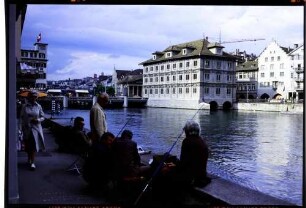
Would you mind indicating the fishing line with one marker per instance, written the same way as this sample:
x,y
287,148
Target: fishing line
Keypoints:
x,y
166,155
123,127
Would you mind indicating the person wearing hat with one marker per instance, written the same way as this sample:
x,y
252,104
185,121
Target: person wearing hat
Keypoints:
x,y
31,116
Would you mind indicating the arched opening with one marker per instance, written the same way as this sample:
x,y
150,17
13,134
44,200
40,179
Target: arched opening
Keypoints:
x,y
213,105
227,105
277,96
264,96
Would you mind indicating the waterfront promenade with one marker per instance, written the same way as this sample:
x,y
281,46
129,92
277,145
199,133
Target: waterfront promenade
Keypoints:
x,y
52,184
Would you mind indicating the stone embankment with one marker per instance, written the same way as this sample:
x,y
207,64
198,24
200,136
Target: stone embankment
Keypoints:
x,y
290,108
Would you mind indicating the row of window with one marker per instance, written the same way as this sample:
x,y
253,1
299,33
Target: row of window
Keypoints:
x,y
273,84
37,65
251,87
272,58
33,55
242,75
281,74
297,57
207,64
281,66
180,78
187,77
168,66
186,90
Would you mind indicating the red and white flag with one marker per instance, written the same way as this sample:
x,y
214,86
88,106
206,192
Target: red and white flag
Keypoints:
x,y
38,38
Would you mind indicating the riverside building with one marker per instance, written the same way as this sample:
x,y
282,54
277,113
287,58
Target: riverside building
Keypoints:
x,y
281,72
246,80
31,73
189,74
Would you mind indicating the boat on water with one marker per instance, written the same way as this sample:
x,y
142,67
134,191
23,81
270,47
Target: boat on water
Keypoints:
x,y
142,151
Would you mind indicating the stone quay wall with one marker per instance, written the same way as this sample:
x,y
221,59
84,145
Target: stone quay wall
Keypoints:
x,y
194,104
271,107
180,104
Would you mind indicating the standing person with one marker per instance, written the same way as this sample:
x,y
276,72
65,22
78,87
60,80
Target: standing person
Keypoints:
x,y
98,125
31,116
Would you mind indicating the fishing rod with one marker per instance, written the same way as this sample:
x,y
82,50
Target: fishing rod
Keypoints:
x,y
61,118
166,155
123,127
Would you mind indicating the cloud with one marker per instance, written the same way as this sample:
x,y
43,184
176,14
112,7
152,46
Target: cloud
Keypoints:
x,y
83,64
115,32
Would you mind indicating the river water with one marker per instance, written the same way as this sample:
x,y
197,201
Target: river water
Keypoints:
x,y
259,150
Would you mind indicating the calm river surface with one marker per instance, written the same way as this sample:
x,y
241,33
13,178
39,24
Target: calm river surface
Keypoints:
x,y
260,150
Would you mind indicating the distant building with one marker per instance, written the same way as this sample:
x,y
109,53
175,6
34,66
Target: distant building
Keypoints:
x,y
246,80
243,56
32,69
184,75
281,72
131,84
119,75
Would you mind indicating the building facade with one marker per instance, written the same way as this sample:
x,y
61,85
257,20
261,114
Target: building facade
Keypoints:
x,y
280,73
188,74
246,80
32,72
127,82
297,64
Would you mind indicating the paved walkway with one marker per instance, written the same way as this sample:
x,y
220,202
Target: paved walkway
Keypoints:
x,y
52,184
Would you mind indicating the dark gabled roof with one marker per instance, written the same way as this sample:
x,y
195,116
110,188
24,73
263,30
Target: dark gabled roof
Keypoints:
x,y
136,72
123,73
173,48
247,66
287,50
199,47
130,79
298,47
158,52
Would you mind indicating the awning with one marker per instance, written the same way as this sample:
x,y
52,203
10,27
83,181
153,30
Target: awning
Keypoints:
x,y
81,91
54,91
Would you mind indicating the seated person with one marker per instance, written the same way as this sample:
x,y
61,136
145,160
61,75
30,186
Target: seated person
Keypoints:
x,y
126,158
79,141
194,156
174,179
98,165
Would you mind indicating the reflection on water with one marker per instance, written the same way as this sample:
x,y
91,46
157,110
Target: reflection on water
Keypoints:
x,y
260,150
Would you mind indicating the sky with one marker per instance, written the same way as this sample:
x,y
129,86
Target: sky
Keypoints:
x,y
84,40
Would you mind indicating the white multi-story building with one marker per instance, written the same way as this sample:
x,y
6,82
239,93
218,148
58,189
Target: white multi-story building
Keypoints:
x,y
278,76
188,74
297,64
32,72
